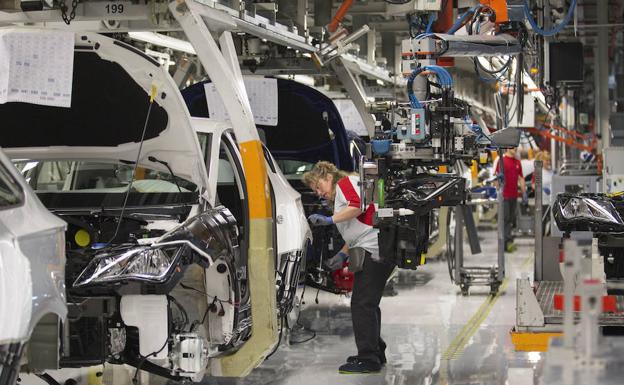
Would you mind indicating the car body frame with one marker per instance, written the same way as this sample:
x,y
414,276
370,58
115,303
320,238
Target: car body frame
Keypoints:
x,y
32,267
157,215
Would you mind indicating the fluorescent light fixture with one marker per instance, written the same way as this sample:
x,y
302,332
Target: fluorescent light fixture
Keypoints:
x,y
163,41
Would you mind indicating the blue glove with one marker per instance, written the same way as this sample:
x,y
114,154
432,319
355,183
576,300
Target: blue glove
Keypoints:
x,y
336,262
547,190
320,220
525,197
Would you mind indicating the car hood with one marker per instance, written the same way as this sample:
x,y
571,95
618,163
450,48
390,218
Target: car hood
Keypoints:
x,y
109,111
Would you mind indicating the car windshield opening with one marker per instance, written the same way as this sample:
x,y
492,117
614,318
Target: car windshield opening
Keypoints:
x,y
102,183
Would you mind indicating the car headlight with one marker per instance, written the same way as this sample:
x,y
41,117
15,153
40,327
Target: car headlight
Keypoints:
x,y
597,210
143,263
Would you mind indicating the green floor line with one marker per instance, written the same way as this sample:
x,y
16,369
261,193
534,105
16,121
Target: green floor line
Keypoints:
x,y
456,347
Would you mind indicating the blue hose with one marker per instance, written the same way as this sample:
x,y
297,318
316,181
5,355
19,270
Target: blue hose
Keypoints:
x,y
555,30
432,18
462,19
443,76
410,88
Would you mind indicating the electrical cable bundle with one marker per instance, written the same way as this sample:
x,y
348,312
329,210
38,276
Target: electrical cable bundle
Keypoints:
x,y
497,74
471,15
418,27
557,28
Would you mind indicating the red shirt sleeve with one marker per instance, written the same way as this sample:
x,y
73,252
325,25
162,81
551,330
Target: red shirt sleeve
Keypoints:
x,y
349,192
519,165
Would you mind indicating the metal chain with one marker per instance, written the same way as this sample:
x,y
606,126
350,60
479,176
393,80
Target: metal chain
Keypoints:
x,y
72,15
63,7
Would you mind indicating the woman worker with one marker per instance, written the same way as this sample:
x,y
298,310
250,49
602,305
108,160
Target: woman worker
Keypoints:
x,y
362,250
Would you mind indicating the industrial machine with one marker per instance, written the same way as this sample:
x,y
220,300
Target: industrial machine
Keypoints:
x,y
414,142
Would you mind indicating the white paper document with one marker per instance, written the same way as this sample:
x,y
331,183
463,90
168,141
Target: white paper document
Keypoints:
x,y
350,116
262,95
36,67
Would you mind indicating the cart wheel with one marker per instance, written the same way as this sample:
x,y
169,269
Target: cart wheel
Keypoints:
x,y
494,288
464,289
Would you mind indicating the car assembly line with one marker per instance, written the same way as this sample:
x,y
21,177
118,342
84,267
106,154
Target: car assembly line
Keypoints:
x,y
287,191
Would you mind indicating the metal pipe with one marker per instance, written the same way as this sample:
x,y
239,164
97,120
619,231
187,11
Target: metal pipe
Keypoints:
x,y
501,220
371,45
340,14
599,25
570,269
602,85
356,35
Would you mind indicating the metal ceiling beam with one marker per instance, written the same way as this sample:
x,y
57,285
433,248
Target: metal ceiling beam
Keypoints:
x,y
86,11
96,11
361,67
286,66
355,92
367,9
261,27
389,26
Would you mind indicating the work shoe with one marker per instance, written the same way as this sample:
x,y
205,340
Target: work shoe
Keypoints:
x,y
359,367
382,359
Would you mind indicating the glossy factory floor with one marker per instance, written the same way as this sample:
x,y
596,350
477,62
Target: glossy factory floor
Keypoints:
x,y
434,334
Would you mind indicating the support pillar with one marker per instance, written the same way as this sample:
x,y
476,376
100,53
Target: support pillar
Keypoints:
x,y
388,50
371,42
601,67
322,12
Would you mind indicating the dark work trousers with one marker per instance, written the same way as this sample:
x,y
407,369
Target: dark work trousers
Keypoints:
x,y
368,287
510,211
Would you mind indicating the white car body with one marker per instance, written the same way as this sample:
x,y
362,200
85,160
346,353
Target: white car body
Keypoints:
x,y
32,265
293,230
32,247
176,144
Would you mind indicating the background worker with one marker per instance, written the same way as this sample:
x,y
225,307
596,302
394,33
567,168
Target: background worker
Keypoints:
x,y
512,174
362,250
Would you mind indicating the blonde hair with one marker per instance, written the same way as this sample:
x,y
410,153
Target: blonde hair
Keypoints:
x,y
322,170
543,156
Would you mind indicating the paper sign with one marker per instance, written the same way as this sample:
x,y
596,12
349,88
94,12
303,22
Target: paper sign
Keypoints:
x,y
262,95
36,67
350,116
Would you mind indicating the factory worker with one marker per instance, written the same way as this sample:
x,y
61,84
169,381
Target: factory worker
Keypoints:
x,y
362,251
